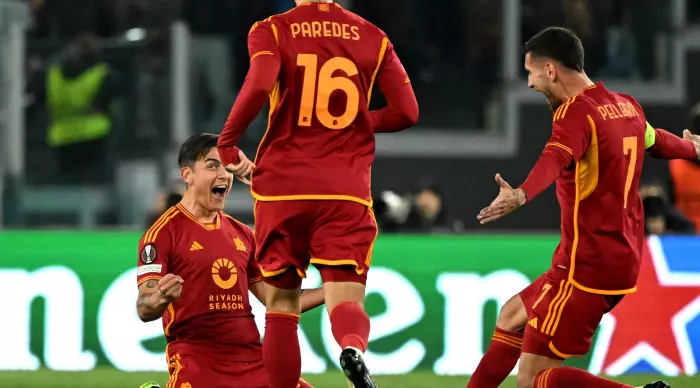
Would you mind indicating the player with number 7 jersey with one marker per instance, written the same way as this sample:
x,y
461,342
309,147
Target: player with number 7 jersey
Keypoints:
x,y
319,64
604,136
595,155
599,139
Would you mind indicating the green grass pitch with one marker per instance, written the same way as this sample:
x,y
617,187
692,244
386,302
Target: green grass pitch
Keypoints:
x,y
110,378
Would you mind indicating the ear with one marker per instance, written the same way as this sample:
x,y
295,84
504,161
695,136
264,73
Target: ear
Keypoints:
x,y
186,174
550,70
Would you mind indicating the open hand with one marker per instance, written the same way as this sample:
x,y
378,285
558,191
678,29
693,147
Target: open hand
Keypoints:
x,y
243,169
507,201
695,139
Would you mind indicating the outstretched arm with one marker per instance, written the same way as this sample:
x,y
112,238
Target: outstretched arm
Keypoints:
x,y
548,168
665,145
566,146
545,172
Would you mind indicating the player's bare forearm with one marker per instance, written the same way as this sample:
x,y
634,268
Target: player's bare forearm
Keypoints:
x,y
312,298
150,305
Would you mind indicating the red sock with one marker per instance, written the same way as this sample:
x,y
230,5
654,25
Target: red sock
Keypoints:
x,y
350,326
568,377
498,361
281,354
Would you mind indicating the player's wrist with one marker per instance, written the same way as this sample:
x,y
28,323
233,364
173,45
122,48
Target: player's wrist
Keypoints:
x,y
230,155
521,195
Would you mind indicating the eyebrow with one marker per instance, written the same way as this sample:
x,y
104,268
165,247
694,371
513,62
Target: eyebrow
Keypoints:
x,y
212,160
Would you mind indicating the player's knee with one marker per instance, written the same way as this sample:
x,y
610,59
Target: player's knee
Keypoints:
x,y
512,316
525,379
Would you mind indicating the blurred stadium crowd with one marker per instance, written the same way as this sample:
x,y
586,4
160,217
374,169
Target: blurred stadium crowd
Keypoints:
x,y
116,56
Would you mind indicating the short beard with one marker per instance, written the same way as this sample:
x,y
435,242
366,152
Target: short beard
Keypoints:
x,y
553,102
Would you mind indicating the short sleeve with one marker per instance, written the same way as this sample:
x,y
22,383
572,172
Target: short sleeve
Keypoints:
x,y
392,74
571,130
254,274
262,40
155,250
253,270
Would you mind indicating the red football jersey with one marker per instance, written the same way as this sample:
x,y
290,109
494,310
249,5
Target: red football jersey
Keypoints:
x,y
320,142
217,263
602,218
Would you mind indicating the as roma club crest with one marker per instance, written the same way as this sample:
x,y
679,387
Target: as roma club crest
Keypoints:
x,y
148,254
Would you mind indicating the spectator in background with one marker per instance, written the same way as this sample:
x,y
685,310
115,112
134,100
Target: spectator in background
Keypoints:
x,y
428,211
685,179
163,202
660,216
422,212
78,92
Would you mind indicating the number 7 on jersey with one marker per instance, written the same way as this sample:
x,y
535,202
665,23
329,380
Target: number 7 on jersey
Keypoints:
x,y
629,147
319,85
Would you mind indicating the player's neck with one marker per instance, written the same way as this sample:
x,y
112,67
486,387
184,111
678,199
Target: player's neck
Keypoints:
x,y
575,84
200,213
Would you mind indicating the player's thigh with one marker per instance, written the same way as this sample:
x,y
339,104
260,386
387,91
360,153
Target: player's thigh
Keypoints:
x,y
562,320
343,237
282,242
513,316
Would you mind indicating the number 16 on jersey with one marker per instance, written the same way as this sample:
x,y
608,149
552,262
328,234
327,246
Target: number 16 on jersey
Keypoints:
x,y
320,84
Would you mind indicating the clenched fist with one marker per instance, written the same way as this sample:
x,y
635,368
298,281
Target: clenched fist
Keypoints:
x,y
168,289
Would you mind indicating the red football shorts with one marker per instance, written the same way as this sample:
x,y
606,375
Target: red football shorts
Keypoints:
x,y
335,236
561,318
191,367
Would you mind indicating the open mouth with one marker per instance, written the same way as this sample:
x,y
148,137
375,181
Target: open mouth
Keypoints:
x,y
219,192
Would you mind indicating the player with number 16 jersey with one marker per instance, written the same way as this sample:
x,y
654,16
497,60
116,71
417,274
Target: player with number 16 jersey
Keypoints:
x,y
320,138
318,63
